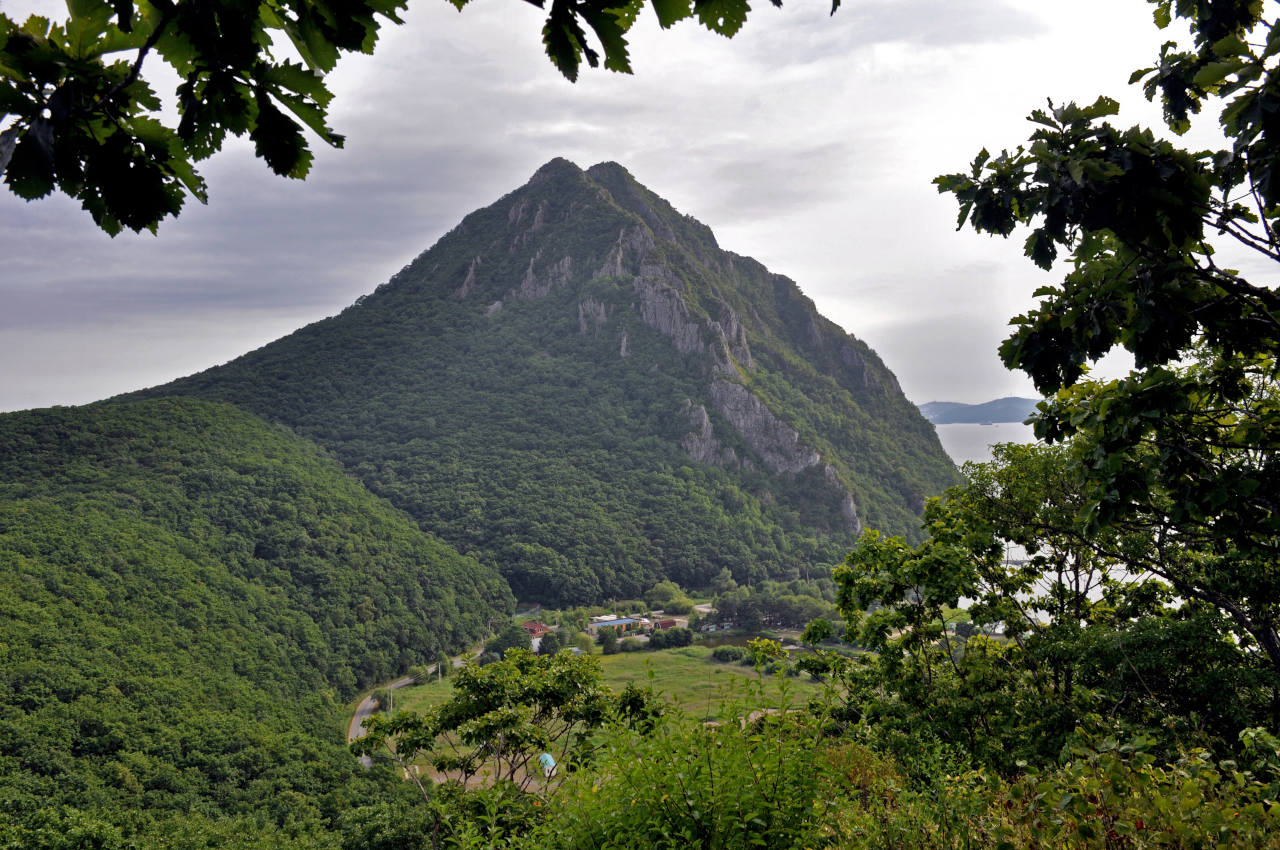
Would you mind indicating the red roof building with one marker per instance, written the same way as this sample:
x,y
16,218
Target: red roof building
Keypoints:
x,y
535,629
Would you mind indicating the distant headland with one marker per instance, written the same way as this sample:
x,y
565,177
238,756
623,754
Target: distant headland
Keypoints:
x,y
1010,409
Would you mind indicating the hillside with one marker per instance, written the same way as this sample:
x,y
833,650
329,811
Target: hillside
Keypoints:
x,y
1009,409
187,597
578,386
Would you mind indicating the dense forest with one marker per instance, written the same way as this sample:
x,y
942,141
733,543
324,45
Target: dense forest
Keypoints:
x,y
192,588
579,388
1077,646
189,597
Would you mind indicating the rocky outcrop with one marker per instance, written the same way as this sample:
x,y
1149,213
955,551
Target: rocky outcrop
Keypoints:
x,y
469,282
628,253
776,442
591,315
733,337
701,442
516,216
663,308
848,508
856,363
535,285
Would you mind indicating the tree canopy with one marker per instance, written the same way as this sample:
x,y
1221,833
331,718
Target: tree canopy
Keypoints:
x,y
1183,449
86,121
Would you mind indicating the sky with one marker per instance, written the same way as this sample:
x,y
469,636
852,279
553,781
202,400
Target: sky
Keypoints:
x,y
808,141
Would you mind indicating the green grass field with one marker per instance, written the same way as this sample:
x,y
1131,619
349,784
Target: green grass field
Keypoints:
x,y
686,677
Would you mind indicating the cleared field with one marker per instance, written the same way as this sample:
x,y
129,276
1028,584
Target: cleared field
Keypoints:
x,y
686,677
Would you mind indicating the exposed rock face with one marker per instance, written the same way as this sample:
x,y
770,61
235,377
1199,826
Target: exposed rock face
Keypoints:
x,y
633,245
700,443
777,443
469,281
591,315
848,508
665,260
664,310
538,285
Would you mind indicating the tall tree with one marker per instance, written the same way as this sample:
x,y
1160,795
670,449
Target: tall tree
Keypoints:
x,y
1085,627
498,720
1186,445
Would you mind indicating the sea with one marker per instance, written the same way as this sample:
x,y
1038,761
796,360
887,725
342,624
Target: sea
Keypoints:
x,y
967,442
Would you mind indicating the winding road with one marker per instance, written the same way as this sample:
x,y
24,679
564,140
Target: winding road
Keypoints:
x,y
366,707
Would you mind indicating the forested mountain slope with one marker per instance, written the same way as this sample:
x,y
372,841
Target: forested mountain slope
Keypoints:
x,y
578,386
187,596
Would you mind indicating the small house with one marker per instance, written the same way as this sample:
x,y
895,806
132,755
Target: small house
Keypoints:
x,y
618,624
535,629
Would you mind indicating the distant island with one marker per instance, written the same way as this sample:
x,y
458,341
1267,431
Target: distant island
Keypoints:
x,y
1010,409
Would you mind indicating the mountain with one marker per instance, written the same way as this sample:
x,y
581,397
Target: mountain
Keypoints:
x,y
188,597
578,386
1009,409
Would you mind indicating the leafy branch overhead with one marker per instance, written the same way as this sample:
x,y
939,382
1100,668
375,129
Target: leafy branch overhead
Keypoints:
x,y
1136,216
1184,451
79,116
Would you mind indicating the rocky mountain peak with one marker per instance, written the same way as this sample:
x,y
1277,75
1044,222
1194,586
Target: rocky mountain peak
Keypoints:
x,y
575,343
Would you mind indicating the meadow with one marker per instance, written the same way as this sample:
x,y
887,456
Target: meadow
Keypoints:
x,y
686,677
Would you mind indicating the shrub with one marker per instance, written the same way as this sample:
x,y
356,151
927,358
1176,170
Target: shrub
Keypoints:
x,y
728,653
689,784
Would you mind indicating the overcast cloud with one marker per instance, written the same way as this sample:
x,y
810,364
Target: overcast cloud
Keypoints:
x,y
808,142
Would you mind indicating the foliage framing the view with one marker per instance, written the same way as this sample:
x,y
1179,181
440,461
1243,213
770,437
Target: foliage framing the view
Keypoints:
x,y
85,120
1186,449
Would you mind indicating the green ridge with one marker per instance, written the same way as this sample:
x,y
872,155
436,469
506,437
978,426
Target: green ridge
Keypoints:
x,y
188,595
533,413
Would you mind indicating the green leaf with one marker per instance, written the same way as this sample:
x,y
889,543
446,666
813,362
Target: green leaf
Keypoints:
x,y
300,80
670,12
607,27
1161,14
312,116
37,26
724,17
1213,74
30,173
87,23
278,140
565,41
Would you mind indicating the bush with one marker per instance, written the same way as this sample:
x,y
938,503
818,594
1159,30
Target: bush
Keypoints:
x,y
680,606
550,643
630,644
729,653
817,666
689,784
670,638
